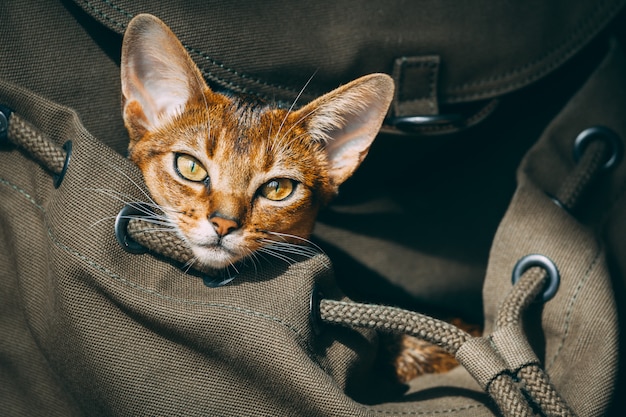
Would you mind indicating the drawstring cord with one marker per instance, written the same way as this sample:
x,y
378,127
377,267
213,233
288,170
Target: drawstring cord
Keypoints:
x,y
36,143
503,362
54,158
596,150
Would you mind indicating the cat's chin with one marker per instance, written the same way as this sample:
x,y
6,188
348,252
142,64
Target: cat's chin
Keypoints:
x,y
215,257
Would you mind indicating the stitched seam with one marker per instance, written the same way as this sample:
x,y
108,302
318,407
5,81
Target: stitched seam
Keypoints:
x,y
570,308
119,9
567,47
131,284
236,73
201,54
424,413
431,66
104,15
240,310
561,51
24,193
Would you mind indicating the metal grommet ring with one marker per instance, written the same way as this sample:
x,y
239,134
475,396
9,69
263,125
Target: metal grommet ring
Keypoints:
x,y
529,261
213,282
558,203
315,317
5,115
599,133
127,213
58,178
411,123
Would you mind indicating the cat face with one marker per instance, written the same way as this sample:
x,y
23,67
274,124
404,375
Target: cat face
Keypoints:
x,y
235,178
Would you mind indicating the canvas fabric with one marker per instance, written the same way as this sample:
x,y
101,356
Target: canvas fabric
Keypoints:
x,y
434,221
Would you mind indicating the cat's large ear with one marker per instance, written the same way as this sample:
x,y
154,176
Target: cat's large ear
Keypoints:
x,y
347,120
158,75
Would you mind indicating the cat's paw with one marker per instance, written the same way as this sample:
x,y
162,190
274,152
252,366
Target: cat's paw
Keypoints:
x,y
416,357
412,357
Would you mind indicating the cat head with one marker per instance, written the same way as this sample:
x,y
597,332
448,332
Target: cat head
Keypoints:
x,y
236,177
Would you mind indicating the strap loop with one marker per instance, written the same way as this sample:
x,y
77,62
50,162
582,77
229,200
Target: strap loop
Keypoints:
x,y
513,347
481,360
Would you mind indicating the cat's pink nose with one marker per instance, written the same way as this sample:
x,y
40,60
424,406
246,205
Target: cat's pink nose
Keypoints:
x,y
223,226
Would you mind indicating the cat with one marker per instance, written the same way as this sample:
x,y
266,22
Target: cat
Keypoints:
x,y
235,177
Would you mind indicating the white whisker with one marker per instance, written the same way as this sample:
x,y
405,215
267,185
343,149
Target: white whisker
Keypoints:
x,y
286,251
189,264
277,255
141,189
285,236
294,104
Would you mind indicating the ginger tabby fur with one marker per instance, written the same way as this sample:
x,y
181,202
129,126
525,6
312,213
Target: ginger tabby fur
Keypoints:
x,y
243,147
237,178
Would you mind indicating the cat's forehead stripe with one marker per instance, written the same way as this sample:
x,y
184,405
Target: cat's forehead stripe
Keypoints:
x,y
245,114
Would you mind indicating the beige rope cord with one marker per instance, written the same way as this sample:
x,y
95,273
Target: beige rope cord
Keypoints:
x,y
492,360
166,243
503,362
592,157
53,157
36,143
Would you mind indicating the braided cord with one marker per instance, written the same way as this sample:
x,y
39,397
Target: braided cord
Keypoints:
x,y
534,379
165,243
509,398
36,143
394,320
52,156
506,392
584,173
523,294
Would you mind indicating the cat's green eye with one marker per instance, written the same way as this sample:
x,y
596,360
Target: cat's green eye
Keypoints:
x,y
190,168
277,189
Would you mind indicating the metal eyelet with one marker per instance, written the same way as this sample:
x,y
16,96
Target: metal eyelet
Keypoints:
x,y
57,179
128,212
558,203
140,210
5,115
599,133
213,282
554,277
412,123
315,317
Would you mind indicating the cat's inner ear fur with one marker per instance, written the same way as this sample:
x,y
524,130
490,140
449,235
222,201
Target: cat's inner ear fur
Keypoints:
x,y
158,75
347,120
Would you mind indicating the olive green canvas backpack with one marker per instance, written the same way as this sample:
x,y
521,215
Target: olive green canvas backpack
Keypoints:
x,y
495,193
